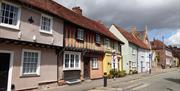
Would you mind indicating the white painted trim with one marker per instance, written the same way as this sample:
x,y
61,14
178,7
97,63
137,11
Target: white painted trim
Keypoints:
x,y
22,60
18,17
51,24
74,53
10,68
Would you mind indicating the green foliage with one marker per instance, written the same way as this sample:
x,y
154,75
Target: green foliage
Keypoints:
x,y
115,73
134,72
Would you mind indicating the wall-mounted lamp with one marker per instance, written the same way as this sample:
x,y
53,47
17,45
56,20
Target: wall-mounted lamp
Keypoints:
x,y
34,38
19,35
30,20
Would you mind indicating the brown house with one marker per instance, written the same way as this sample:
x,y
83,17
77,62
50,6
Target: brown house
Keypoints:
x,y
88,43
163,52
42,42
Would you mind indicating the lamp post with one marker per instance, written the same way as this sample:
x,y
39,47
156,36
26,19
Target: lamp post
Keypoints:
x,y
113,55
150,57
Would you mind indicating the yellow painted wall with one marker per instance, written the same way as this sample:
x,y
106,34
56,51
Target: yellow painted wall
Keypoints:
x,y
108,59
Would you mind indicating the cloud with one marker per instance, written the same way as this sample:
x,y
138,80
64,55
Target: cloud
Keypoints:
x,y
154,13
161,16
174,39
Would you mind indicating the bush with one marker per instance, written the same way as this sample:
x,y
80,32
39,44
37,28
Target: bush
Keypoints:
x,y
121,73
134,72
130,72
114,73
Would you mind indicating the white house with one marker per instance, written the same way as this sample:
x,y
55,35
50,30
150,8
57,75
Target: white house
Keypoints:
x,y
133,51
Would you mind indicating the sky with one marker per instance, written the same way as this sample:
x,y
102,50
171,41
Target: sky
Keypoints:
x,y
162,17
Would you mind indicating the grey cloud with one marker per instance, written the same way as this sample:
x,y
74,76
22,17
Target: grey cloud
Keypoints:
x,y
157,14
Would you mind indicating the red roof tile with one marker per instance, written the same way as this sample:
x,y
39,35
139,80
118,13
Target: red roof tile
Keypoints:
x,y
157,44
69,15
132,39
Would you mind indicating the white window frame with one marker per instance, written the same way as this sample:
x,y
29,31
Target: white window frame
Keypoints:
x,y
116,47
72,53
51,24
133,51
108,43
80,34
95,59
38,64
17,26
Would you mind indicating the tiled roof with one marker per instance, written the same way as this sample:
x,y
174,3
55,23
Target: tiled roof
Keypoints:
x,y
157,44
140,34
68,15
131,38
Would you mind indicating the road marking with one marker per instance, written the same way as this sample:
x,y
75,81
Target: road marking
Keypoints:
x,y
139,87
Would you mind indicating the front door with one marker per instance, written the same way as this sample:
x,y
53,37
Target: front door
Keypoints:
x,y
4,69
86,67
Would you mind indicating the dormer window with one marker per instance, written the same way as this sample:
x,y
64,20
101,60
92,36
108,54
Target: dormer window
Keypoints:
x,y
9,15
97,39
80,34
46,24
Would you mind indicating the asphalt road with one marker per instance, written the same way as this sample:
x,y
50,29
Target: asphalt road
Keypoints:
x,y
169,81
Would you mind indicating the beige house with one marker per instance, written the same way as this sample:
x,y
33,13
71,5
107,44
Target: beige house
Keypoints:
x,y
30,40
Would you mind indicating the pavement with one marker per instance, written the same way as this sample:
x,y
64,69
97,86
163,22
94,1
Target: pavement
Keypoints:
x,y
119,84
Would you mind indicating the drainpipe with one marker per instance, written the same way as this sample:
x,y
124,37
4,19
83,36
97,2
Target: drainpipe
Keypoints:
x,y
137,58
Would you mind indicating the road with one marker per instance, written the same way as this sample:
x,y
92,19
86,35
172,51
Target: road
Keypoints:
x,y
163,82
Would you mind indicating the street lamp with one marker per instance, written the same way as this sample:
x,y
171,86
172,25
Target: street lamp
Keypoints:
x,y
113,55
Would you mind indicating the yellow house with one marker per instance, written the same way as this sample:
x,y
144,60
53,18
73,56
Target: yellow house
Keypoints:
x,y
112,58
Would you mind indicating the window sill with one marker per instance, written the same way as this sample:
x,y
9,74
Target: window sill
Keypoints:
x,y
43,31
68,69
80,39
95,68
29,75
98,43
10,26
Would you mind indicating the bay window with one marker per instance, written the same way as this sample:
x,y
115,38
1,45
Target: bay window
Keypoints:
x,y
71,60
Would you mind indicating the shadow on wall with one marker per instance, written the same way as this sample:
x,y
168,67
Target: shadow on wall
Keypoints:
x,y
173,80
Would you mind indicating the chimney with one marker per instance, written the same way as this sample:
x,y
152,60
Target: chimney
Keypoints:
x,y
77,10
145,29
133,29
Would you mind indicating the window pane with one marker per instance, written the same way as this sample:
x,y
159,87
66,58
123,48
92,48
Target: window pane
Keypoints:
x,y
45,23
8,14
66,60
94,63
30,62
77,61
72,61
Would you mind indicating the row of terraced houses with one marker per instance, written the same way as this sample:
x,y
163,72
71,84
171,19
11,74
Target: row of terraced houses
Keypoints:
x,y
42,43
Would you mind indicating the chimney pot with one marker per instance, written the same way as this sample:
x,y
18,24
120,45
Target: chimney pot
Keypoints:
x,y
77,10
133,29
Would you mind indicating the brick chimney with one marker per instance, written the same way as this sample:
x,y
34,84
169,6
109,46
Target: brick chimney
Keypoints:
x,y
133,29
77,10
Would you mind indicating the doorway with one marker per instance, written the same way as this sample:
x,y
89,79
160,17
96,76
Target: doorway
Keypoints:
x,y
6,62
141,66
4,70
86,68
